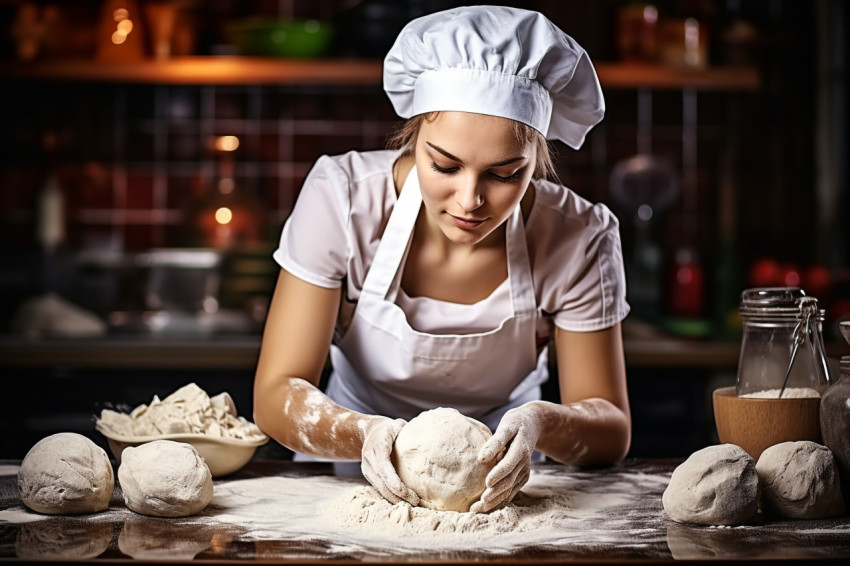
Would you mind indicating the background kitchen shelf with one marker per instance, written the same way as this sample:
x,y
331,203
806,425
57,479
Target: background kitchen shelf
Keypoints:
x,y
224,70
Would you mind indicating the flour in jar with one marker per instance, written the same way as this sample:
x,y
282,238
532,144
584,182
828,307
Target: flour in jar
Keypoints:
x,y
789,393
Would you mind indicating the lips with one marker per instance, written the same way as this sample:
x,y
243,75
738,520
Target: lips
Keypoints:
x,y
466,223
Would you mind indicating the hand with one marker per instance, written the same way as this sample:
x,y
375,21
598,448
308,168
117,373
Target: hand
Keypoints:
x,y
516,438
377,465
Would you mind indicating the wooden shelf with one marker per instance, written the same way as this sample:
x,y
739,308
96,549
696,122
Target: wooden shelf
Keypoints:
x,y
233,70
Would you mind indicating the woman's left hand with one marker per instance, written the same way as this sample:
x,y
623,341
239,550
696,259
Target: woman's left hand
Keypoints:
x,y
516,437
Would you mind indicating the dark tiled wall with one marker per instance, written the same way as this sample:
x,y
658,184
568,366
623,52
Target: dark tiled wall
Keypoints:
x,y
133,159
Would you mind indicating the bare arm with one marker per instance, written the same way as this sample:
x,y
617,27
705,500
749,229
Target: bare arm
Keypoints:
x,y
288,406
592,426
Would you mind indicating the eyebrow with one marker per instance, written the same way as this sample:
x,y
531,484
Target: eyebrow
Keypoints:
x,y
453,158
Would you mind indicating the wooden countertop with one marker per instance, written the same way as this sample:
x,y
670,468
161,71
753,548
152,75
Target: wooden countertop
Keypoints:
x,y
612,515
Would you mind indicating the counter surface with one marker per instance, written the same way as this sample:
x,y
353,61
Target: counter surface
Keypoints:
x,y
286,512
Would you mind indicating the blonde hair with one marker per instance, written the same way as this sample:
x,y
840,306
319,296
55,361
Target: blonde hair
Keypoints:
x,y
404,138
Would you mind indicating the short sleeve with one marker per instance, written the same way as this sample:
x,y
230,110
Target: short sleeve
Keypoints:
x,y
313,243
579,263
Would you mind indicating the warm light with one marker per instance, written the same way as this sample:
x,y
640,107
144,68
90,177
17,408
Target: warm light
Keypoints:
x,y
226,143
125,26
119,37
120,14
223,215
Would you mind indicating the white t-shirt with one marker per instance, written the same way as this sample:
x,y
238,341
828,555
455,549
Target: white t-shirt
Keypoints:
x,y
573,245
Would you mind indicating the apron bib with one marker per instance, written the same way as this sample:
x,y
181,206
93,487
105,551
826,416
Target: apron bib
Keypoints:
x,y
384,366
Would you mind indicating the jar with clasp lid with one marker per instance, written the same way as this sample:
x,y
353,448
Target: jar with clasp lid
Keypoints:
x,y
835,417
782,351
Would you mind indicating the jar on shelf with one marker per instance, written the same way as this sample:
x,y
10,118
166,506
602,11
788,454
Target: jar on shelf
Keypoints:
x,y
782,351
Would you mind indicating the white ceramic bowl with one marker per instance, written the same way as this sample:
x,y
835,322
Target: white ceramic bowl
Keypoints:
x,y
223,455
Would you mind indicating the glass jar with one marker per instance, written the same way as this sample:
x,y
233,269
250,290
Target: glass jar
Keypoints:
x,y
835,418
782,352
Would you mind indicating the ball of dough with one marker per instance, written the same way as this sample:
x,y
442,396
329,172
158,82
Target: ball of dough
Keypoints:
x,y
164,478
436,455
66,473
717,485
800,481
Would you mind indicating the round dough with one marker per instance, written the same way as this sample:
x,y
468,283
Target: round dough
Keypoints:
x,y
800,481
436,455
66,473
717,485
164,478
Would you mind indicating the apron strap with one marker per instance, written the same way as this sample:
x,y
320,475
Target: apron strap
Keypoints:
x,y
395,239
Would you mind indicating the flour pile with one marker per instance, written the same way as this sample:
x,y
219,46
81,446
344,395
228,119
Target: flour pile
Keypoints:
x,y
189,410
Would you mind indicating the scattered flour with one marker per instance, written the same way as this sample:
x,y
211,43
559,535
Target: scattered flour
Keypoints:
x,y
551,510
189,410
562,512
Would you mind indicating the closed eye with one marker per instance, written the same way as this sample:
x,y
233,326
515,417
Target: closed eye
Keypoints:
x,y
443,170
509,179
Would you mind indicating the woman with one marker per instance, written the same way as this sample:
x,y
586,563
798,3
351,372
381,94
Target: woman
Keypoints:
x,y
437,272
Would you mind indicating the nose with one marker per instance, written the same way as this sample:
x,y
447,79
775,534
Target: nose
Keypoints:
x,y
468,195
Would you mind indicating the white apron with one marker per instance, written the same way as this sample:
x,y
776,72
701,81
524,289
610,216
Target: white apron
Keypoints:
x,y
384,366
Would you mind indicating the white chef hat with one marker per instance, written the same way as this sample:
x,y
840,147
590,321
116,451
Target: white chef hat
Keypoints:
x,y
499,61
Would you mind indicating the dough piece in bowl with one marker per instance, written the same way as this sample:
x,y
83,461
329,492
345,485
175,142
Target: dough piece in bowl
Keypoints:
x,y
164,478
436,455
800,481
717,485
66,473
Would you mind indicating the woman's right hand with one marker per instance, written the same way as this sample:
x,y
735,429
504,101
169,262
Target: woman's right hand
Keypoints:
x,y
377,465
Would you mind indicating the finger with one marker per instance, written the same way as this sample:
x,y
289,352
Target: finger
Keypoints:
x,y
386,480
503,493
490,450
511,478
497,443
509,462
377,483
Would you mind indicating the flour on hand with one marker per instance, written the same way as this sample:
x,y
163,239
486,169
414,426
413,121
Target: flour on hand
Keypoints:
x,y
66,473
164,478
717,485
436,455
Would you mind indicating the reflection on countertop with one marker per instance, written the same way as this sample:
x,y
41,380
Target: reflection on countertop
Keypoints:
x,y
603,516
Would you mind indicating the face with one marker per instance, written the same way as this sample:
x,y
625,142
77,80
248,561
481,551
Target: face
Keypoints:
x,y
473,171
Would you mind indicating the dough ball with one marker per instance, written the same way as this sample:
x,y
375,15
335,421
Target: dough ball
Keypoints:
x,y
800,481
66,473
164,478
717,485
436,455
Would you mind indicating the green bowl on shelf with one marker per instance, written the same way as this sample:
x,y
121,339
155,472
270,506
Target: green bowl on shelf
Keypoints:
x,y
301,39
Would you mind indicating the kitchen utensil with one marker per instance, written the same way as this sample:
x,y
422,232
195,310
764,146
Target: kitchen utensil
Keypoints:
x,y
644,185
223,455
182,279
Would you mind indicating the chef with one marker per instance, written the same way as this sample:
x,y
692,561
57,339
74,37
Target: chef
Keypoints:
x,y
436,272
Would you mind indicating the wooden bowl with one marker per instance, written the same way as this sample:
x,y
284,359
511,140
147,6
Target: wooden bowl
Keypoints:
x,y
756,423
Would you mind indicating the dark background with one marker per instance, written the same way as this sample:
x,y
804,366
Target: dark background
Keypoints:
x,y
763,192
